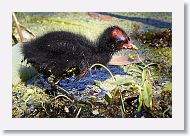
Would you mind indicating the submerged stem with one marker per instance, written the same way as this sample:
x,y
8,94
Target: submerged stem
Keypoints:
x,y
98,64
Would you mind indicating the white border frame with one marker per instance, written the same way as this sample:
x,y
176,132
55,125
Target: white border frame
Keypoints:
x,y
174,123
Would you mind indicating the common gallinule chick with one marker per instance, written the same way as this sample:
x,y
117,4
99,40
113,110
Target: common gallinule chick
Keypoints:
x,y
63,53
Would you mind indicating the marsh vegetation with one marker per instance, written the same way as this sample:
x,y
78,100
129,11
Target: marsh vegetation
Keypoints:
x,y
141,88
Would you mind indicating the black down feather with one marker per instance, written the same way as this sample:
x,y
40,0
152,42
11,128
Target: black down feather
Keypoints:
x,y
57,52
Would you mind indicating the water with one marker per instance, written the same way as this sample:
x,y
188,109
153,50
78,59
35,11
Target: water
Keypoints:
x,y
86,82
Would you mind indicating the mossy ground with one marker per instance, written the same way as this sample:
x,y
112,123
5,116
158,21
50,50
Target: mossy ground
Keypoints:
x,y
144,91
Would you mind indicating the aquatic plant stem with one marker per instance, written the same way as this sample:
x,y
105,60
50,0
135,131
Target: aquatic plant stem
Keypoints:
x,y
98,64
18,27
78,113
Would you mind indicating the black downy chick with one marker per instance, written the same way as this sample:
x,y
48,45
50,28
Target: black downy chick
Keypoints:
x,y
56,53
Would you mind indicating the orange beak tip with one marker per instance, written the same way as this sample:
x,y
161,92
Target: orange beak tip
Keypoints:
x,y
135,47
129,47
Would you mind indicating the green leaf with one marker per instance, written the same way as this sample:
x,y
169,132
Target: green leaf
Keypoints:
x,y
124,81
20,71
115,92
147,94
144,75
108,97
140,102
134,71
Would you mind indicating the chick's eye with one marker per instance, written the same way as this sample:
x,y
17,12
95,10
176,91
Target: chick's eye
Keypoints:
x,y
128,38
119,42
